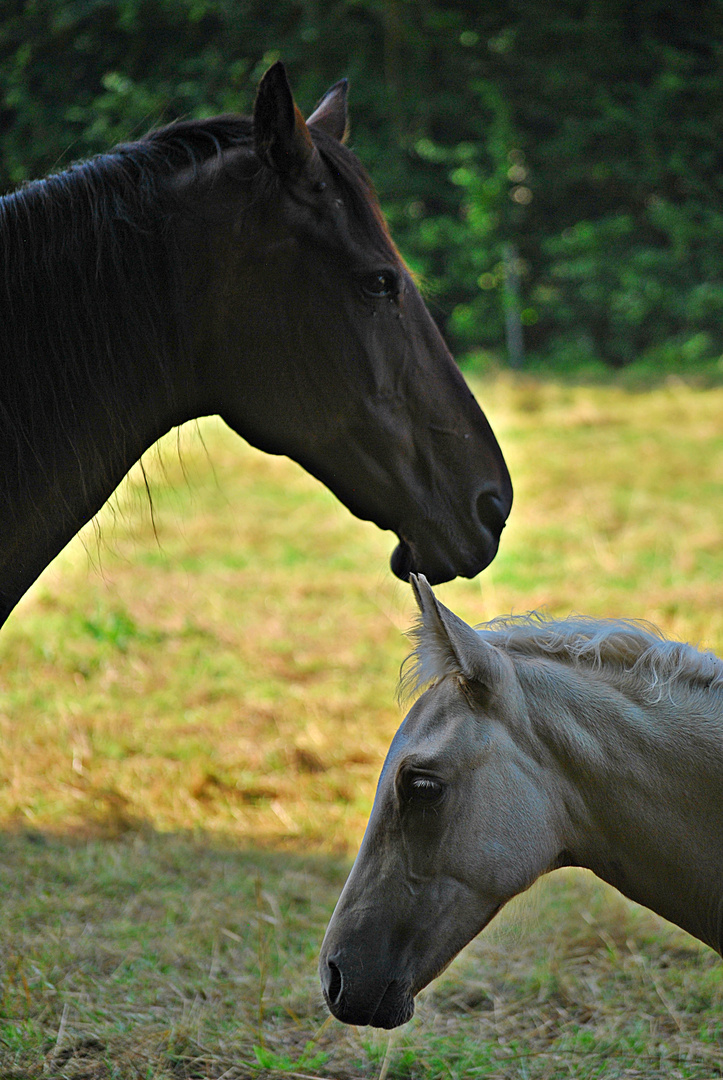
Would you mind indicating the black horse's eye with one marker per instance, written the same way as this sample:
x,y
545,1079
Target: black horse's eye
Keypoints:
x,y
381,285
422,789
319,186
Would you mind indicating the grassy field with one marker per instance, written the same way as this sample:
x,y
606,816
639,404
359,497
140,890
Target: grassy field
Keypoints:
x,y
194,708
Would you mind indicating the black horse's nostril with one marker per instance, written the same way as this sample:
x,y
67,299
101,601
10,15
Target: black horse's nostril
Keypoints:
x,y
335,984
491,514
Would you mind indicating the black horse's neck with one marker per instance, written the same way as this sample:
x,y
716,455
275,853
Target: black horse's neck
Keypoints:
x,y
95,362
91,352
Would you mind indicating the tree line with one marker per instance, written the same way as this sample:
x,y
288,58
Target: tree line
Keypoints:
x,y
551,169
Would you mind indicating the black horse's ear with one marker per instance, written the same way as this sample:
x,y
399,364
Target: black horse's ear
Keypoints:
x,y
280,133
331,114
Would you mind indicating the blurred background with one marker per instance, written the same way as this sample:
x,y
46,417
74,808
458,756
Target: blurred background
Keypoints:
x,y
552,169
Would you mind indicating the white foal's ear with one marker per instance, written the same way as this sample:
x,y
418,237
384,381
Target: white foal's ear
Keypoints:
x,y
446,645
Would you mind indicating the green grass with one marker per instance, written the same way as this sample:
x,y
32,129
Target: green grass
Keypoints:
x,y
192,725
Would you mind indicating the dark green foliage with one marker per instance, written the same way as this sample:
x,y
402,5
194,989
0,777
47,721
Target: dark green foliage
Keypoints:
x,y
584,138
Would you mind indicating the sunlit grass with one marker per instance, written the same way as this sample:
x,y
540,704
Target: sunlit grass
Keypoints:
x,y
194,708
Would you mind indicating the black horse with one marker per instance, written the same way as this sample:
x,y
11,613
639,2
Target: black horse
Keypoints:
x,y
242,267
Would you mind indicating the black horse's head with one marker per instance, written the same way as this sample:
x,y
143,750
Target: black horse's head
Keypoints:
x,y
312,340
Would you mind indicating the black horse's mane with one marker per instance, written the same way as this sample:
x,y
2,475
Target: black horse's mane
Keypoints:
x,y
88,279
112,190
134,168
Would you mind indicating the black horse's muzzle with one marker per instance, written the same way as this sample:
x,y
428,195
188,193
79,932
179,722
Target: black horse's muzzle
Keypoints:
x,y
441,555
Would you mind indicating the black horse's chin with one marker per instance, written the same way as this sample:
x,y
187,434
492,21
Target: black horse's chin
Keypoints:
x,y
402,561
405,561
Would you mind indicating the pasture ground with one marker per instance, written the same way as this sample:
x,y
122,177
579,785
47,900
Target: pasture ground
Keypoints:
x,y
194,710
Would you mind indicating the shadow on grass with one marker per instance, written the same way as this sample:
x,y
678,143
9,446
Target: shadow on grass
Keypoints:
x,y
150,954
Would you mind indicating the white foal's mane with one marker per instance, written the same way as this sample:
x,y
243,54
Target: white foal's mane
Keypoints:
x,y
635,654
